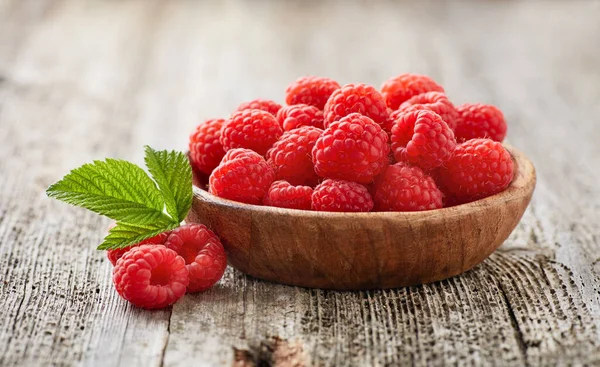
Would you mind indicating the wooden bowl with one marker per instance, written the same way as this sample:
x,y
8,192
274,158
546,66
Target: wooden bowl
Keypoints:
x,y
365,250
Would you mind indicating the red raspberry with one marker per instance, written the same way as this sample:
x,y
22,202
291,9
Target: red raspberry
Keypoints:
x,y
238,153
269,106
387,127
283,195
437,102
291,156
341,196
151,276
243,176
203,253
251,129
353,148
359,98
206,151
480,121
478,168
406,188
116,254
310,90
401,88
292,117
422,138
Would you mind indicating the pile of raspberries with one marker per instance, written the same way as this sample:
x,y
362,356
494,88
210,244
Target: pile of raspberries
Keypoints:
x,y
405,147
157,272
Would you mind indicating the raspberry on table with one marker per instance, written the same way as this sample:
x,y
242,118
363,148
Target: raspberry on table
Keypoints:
x,y
478,168
151,276
243,176
438,102
267,105
292,117
116,254
406,188
423,139
206,150
354,148
478,120
401,88
291,156
203,253
356,98
252,129
283,195
310,90
341,196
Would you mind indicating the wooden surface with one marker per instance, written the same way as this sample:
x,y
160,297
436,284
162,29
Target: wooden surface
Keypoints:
x,y
81,80
363,251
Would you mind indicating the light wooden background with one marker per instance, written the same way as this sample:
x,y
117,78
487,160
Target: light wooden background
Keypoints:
x,y
82,80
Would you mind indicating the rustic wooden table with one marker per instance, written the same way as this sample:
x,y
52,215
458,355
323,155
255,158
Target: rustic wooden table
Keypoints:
x,y
81,80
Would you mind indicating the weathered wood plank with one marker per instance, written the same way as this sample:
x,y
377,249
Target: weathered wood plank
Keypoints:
x,y
70,81
82,80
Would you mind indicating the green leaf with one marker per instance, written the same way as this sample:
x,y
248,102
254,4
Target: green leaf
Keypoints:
x,y
127,234
172,172
115,188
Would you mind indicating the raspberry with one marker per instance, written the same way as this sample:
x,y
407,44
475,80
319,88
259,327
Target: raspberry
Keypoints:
x,y
437,102
291,156
406,188
283,195
341,196
292,117
116,254
269,106
354,148
206,151
360,98
251,129
203,253
422,138
480,121
243,176
478,168
151,276
310,90
401,88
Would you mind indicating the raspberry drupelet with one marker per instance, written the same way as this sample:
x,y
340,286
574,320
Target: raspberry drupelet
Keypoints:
x,y
283,195
291,156
401,88
151,276
356,98
292,117
310,90
478,168
406,188
203,253
206,150
422,138
341,196
251,129
354,148
243,176
478,120
438,102
267,105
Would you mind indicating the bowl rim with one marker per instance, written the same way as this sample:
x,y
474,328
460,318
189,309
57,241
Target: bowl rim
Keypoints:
x,y
523,182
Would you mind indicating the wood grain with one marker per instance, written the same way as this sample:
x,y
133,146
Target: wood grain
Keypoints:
x,y
84,80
